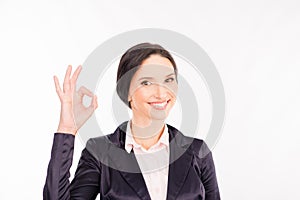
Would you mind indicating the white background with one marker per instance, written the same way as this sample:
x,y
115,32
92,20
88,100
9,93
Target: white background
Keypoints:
x,y
254,44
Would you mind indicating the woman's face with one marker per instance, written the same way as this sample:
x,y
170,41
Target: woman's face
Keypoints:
x,y
153,89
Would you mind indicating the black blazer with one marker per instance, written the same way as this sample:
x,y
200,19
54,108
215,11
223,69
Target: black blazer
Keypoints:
x,y
103,168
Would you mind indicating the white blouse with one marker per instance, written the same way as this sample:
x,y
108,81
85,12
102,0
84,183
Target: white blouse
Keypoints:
x,y
154,163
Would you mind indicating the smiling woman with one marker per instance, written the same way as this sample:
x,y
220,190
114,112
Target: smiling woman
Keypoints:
x,y
147,83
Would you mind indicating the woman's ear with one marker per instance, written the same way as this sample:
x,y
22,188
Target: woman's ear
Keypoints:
x,y
129,102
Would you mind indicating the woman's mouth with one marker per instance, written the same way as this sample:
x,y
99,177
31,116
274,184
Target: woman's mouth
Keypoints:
x,y
159,105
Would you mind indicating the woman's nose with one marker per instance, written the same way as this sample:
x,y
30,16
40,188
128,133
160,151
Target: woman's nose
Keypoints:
x,y
160,92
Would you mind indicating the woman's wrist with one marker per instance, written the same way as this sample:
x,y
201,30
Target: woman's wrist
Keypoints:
x,y
67,130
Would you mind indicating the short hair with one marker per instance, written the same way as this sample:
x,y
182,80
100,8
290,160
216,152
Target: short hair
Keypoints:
x,y
130,62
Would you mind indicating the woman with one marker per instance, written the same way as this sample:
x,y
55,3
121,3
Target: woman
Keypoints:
x,y
144,158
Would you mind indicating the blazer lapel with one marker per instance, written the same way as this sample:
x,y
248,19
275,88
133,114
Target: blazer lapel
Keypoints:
x,y
127,164
136,180
180,161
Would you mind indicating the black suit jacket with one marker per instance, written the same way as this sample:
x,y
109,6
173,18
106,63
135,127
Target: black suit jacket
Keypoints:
x,y
106,168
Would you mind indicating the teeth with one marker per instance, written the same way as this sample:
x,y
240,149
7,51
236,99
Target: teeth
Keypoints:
x,y
159,105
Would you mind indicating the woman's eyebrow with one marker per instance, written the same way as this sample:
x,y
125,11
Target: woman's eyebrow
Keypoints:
x,y
145,78
170,74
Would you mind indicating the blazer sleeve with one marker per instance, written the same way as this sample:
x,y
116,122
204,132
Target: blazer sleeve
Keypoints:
x,y
208,174
86,182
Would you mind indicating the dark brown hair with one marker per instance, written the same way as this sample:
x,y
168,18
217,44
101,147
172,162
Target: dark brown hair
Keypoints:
x,y
131,60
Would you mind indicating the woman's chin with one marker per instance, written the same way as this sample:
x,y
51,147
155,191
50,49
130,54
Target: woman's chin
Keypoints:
x,y
158,114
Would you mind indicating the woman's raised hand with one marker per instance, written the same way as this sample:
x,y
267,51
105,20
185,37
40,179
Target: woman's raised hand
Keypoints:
x,y
73,113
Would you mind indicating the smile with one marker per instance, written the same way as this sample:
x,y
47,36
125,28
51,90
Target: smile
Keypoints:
x,y
159,105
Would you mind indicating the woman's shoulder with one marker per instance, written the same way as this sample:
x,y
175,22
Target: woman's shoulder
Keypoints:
x,y
194,145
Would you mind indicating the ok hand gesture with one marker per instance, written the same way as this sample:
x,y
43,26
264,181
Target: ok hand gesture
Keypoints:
x,y
73,113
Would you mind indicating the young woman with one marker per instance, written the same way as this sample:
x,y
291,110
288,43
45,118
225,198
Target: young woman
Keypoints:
x,y
144,158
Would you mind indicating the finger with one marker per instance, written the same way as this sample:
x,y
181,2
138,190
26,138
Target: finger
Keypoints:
x,y
66,85
57,87
76,74
94,103
84,91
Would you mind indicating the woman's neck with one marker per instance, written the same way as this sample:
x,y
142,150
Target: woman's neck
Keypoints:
x,y
147,133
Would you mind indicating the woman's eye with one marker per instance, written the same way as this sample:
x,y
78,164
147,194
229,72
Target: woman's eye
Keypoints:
x,y
146,83
169,80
